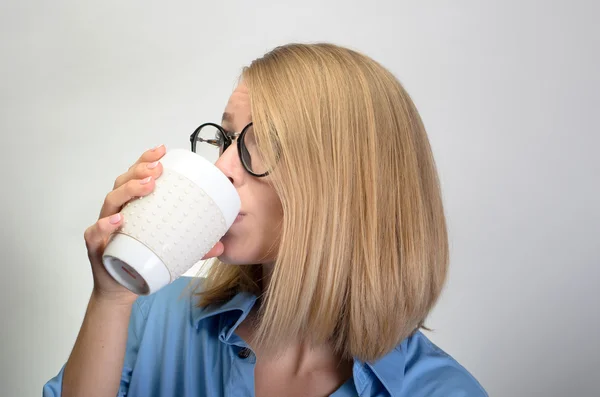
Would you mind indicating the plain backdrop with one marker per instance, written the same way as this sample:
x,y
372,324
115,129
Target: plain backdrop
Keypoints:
x,y
508,91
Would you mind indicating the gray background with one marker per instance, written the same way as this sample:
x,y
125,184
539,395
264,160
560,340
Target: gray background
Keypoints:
x,y
508,90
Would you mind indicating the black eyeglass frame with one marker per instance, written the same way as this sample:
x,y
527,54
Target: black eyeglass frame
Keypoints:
x,y
227,141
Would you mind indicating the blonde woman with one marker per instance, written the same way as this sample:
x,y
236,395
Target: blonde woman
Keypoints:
x,y
322,284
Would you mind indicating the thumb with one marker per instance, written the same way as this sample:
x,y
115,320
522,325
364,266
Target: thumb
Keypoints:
x,y
215,251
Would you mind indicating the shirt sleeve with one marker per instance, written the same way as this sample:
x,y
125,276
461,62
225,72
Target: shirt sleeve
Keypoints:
x,y
137,323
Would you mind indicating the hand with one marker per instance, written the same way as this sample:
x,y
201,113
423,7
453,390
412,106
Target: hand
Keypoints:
x,y
138,181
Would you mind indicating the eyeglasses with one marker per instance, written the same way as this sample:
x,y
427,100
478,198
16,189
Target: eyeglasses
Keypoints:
x,y
214,137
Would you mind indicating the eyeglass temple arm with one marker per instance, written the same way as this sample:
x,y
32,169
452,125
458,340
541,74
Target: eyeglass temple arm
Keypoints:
x,y
214,142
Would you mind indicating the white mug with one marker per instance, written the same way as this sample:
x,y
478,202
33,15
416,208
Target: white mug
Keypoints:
x,y
168,231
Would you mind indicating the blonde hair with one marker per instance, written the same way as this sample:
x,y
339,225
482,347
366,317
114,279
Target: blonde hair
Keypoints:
x,y
363,254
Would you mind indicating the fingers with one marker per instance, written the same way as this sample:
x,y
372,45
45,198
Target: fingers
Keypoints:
x,y
96,236
116,199
145,166
215,251
151,155
138,181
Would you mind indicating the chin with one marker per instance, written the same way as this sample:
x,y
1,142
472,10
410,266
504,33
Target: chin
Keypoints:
x,y
233,253
241,247
239,254
229,260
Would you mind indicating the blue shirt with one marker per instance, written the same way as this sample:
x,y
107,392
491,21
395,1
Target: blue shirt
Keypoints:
x,y
177,349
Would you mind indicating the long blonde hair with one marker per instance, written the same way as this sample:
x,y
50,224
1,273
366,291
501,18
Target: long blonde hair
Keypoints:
x,y
363,254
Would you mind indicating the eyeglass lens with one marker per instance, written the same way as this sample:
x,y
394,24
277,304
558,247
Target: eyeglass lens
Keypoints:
x,y
210,144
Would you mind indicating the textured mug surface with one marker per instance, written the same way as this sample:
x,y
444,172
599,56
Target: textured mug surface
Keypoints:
x,y
178,221
165,233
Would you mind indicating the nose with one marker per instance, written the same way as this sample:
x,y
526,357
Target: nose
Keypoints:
x,y
230,165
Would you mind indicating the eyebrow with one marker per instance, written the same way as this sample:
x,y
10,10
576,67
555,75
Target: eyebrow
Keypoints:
x,y
227,117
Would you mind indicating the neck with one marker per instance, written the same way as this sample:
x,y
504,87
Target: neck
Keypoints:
x,y
299,357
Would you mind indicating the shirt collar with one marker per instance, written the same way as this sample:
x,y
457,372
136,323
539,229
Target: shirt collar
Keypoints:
x,y
389,369
242,302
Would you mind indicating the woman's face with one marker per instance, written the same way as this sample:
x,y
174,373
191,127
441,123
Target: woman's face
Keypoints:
x,y
253,237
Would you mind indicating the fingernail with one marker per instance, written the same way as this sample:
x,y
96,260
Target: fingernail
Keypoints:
x,y
152,165
145,180
115,218
154,149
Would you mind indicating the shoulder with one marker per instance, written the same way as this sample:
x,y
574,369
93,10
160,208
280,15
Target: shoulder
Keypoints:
x,y
430,371
171,303
178,293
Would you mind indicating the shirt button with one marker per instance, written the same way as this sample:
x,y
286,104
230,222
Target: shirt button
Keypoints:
x,y
244,353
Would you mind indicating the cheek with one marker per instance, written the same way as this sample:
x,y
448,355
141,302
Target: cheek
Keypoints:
x,y
249,242
255,239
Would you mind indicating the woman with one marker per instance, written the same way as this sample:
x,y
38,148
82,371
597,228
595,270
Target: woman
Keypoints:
x,y
341,246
